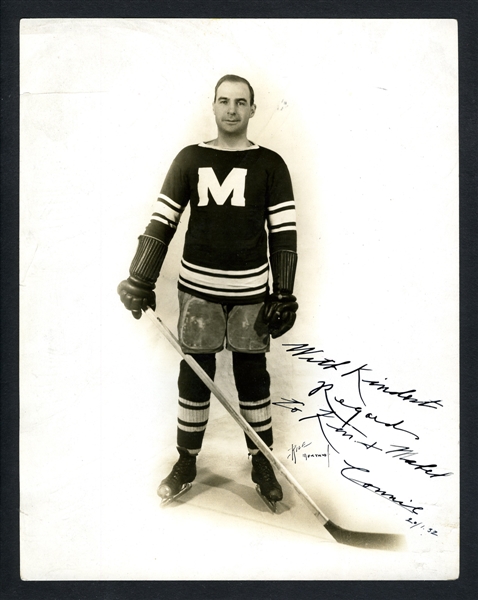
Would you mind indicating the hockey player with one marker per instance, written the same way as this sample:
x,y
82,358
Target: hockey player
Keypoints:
x,y
234,188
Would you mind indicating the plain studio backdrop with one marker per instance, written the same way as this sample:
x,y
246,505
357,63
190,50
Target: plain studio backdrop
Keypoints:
x,y
365,115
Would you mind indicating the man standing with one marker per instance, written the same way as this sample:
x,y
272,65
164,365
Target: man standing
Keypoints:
x,y
235,188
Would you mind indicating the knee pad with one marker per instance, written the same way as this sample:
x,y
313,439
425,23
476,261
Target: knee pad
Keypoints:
x,y
201,325
246,330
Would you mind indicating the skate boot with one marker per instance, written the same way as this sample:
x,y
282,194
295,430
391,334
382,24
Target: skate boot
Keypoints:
x,y
179,480
267,487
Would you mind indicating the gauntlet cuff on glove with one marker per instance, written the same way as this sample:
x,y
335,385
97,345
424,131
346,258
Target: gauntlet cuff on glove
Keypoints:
x,y
283,267
148,260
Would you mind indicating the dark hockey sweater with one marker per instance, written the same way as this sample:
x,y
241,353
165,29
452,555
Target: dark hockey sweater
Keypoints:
x,y
233,195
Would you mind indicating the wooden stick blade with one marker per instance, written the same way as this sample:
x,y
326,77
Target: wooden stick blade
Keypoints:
x,y
363,539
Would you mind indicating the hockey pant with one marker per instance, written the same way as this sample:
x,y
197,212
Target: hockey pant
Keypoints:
x,y
253,386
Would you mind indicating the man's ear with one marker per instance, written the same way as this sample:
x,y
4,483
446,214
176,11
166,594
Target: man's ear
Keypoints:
x,y
253,110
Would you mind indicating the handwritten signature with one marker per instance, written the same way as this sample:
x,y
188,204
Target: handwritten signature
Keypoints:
x,y
358,411
403,453
375,489
345,421
294,452
304,352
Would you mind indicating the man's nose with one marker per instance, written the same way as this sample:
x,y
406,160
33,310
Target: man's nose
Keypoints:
x,y
231,108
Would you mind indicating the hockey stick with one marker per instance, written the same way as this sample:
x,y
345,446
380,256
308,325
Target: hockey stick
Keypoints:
x,y
382,541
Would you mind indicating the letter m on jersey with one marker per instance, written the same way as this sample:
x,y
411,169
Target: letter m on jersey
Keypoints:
x,y
234,183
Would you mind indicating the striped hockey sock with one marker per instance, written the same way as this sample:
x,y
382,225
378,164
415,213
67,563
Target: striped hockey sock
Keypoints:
x,y
193,403
253,387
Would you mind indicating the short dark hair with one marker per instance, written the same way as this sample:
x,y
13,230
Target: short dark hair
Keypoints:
x,y
235,79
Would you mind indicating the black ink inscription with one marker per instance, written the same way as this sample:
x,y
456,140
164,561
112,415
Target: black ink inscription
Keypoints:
x,y
421,526
325,414
392,425
290,404
323,385
376,490
307,456
405,396
369,446
293,451
332,414
358,370
304,350
403,452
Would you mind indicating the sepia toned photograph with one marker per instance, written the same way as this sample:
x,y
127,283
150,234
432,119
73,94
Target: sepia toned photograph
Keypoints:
x,y
239,310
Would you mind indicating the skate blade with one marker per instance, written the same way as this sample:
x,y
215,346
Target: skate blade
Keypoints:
x,y
165,501
270,505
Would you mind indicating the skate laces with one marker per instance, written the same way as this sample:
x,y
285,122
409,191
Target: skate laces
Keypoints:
x,y
263,468
183,466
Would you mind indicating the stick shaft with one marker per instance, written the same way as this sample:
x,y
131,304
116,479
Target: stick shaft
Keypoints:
x,y
204,377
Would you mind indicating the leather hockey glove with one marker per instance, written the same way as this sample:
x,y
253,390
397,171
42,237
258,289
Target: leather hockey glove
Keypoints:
x,y
137,292
136,296
281,306
280,313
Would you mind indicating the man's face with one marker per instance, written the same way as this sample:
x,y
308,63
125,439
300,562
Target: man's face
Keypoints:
x,y
232,107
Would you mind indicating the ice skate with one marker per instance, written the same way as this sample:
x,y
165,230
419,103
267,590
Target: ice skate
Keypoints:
x,y
179,480
267,487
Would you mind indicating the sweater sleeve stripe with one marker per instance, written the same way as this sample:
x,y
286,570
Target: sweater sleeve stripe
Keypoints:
x,y
282,206
285,227
165,219
282,217
174,205
167,210
156,217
